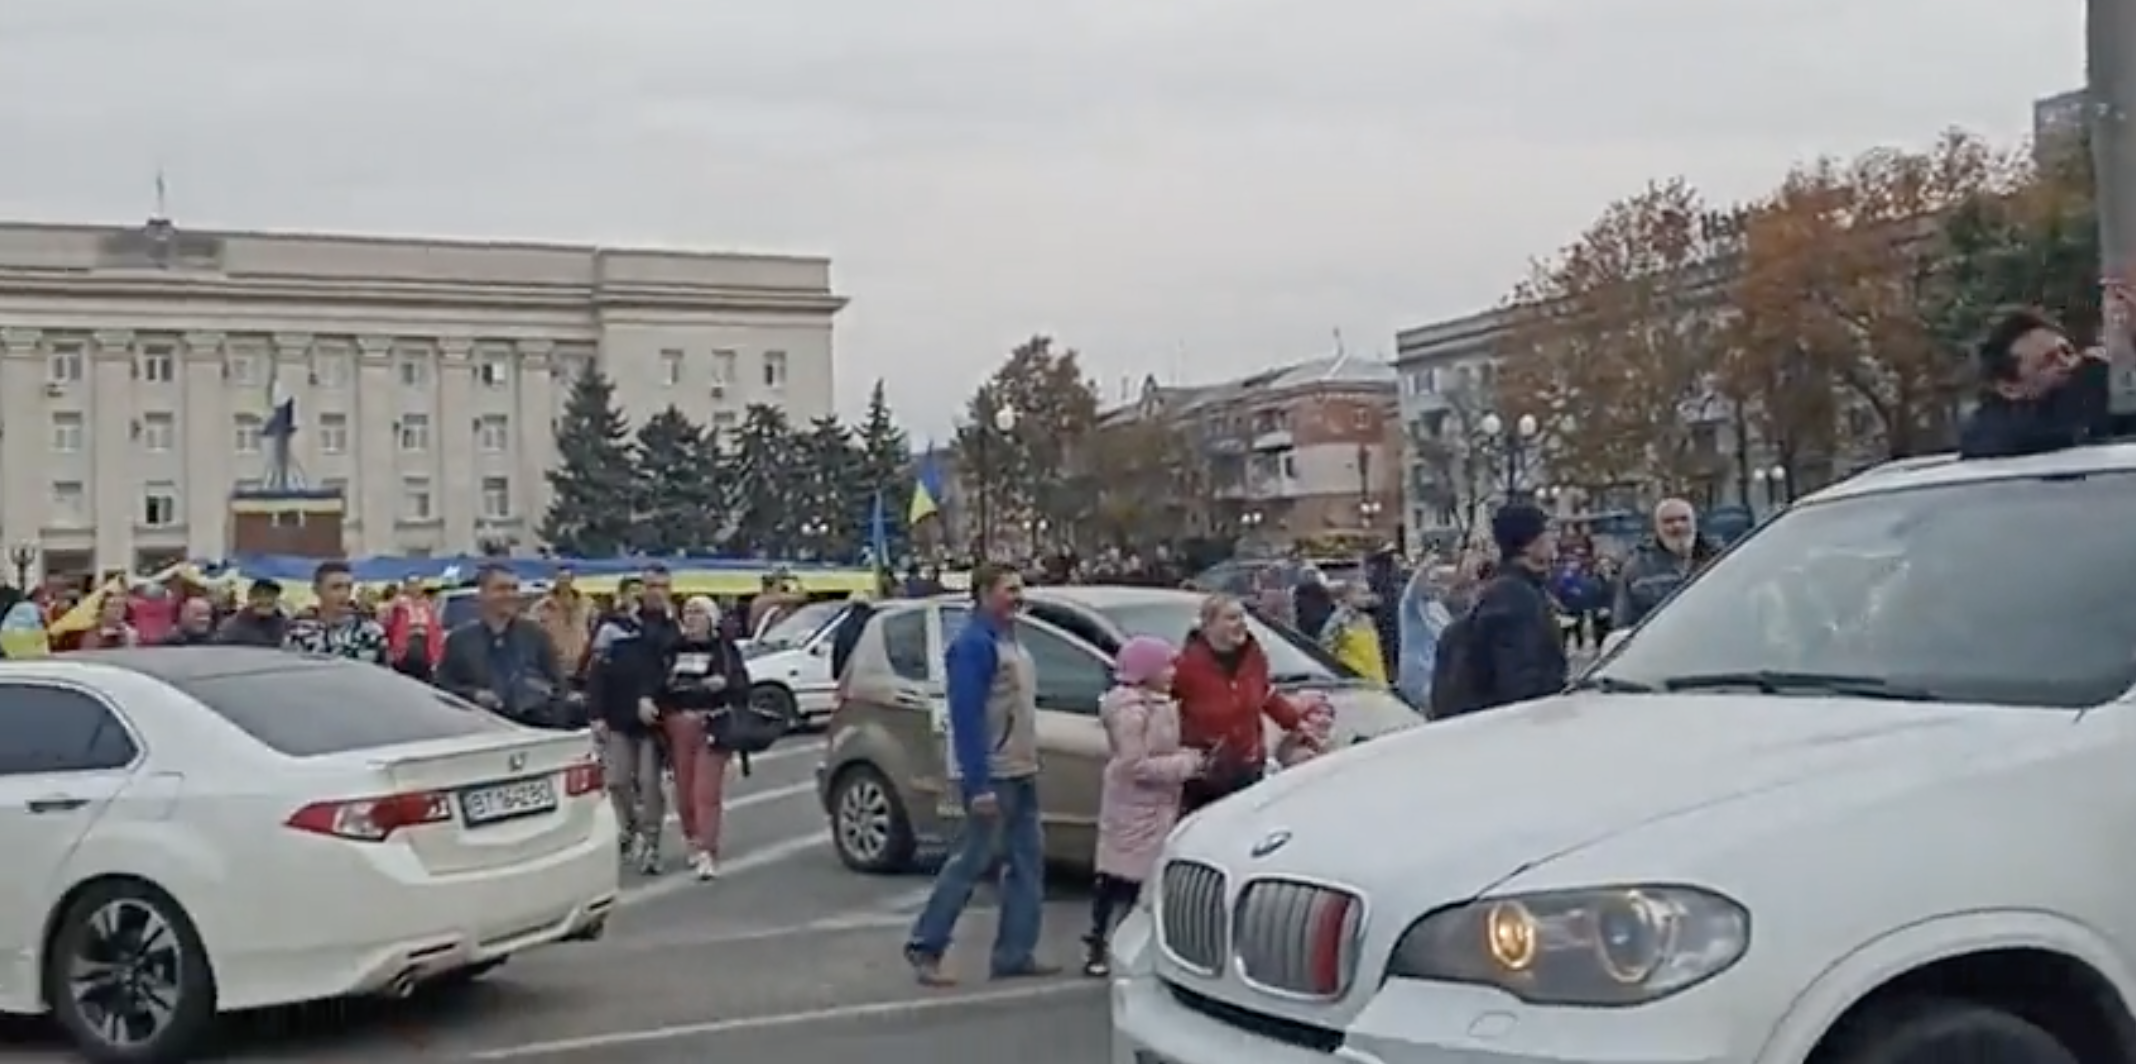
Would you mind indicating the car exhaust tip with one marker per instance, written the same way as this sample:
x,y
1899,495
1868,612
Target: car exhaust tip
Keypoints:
x,y
590,933
401,987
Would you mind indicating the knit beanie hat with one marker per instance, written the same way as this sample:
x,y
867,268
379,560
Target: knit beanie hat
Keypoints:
x,y
1516,525
1143,659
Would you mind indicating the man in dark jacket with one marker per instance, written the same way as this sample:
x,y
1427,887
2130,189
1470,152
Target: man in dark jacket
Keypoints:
x,y
502,661
196,624
1659,565
2039,394
261,623
1383,574
628,667
1519,652
846,636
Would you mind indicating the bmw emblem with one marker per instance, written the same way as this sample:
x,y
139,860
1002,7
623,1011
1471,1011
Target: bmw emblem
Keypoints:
x,y
1270,843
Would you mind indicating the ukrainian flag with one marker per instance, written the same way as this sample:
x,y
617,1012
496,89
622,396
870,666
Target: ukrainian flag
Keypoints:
x,y
926,491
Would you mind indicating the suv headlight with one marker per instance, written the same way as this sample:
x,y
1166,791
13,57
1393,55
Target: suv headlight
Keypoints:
x,y
1595,947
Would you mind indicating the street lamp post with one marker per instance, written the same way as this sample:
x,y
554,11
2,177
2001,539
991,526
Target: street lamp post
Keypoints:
x,y
1003,422
1368,511
23,555
1772,483
813,532
1513,437
1250,522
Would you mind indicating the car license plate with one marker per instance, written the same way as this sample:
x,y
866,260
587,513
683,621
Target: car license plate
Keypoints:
x,y
504,801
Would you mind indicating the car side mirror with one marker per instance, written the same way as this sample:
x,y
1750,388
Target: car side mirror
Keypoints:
x,y
1611,641
819,650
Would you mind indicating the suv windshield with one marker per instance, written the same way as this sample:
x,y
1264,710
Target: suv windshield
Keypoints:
x,y
2015,592
1290,658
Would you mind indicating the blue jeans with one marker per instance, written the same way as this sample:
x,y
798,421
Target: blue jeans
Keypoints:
x,y
1016,834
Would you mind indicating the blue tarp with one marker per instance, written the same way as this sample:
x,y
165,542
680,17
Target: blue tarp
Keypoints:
x,y
388,568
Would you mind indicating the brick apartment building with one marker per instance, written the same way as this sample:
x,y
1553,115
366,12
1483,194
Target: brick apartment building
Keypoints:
x,y
1299,452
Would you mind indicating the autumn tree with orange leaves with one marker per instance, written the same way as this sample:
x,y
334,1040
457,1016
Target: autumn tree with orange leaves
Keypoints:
x,y
1612,343
1829,338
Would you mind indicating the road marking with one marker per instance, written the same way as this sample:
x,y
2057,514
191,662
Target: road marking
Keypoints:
x,y
755,798
679,881
784,753
777,1021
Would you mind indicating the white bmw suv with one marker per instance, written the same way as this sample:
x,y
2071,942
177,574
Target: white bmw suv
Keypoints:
x,y
1862,793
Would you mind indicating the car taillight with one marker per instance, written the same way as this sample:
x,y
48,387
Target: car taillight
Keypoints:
x,y
372,819
582,778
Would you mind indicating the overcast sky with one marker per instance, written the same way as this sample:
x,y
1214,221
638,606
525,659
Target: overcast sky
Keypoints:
x,y
1192,187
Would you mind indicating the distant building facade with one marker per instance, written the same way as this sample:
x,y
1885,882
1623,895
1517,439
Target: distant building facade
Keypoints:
x,y
137,364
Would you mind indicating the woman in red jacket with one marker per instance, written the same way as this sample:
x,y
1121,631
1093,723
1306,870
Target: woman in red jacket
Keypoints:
x,y
1223,688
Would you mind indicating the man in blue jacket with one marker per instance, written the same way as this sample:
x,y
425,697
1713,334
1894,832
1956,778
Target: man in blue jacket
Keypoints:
x,y
993,761
2039,392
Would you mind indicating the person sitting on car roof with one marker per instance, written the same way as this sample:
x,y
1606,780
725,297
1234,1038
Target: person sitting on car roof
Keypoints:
x,y
2038,393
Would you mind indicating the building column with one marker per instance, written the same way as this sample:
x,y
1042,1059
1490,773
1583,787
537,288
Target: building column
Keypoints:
x,y
534,442
374,488
459,494
25,491
115,480
204,431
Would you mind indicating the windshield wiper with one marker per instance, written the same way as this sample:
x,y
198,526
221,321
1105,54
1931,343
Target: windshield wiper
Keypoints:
x,y
1613,686
1777,682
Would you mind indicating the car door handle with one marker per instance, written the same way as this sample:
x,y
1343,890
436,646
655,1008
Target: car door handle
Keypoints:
x,y
57,803
908,700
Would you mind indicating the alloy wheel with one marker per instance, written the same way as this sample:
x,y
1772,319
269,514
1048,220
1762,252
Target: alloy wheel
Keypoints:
x,y
127,977
864,819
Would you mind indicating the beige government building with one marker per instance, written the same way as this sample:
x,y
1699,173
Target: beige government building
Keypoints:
x,y
137,365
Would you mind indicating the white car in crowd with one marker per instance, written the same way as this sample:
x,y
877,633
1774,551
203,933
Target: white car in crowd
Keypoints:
x,y
1864,792
203,830
790,664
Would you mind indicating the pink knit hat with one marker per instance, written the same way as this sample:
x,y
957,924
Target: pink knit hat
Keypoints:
x,y
1142,659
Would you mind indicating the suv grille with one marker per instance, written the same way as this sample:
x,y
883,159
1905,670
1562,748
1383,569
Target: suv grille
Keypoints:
x,y
1190,917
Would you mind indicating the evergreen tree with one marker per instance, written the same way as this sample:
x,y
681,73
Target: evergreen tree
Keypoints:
x,y
590,488
831,488
760,474
885,465
678,496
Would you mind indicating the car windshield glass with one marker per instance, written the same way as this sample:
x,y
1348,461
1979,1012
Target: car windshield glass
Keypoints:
x,y
1291,659
329,708
2014,592
799,626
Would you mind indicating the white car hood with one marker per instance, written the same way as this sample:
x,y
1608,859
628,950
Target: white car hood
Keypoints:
x,y
1493,794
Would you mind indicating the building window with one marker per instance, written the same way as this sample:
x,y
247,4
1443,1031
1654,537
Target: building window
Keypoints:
x,y
333,433
243,370
415,433
414,372
415,499
66,433
724,424
330,367
159,504
493,433
774,369
159,432
70,503
1361,417
497,370
1290,465
156,364
496,498
65,364
245,433
723,366
671,367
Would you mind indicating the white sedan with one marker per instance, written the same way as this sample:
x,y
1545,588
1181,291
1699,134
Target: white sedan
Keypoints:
x,y
205,830
790,664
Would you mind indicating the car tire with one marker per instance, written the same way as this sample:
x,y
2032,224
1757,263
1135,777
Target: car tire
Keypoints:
x,y
152,965
777,700
869,827
1935,1031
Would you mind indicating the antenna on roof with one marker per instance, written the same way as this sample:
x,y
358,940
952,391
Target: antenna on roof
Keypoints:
x,y
163,198
1342,354
1179,363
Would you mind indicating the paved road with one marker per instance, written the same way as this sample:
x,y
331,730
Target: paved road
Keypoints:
x,y
787,952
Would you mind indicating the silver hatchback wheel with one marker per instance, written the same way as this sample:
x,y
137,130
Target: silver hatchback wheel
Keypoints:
x,y
868,822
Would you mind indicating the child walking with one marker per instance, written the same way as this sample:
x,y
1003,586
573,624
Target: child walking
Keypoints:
x,y
1139,801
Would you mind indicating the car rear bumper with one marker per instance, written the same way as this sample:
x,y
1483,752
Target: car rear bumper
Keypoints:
x,y
375,933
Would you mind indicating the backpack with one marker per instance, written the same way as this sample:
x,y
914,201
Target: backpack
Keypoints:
x,y
1454,690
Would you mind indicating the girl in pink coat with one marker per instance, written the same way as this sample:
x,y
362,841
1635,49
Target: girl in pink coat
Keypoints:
x,y
1140,799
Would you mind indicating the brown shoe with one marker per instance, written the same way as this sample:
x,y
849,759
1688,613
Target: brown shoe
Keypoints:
x,y
927,969
1031,969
